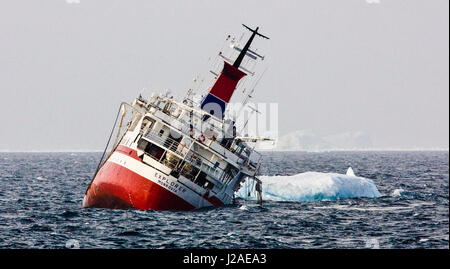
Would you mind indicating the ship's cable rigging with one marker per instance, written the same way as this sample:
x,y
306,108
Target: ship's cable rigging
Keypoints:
x,y
109,139
107,143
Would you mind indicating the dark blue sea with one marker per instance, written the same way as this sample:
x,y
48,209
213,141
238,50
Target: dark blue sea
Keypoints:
x,y
41,195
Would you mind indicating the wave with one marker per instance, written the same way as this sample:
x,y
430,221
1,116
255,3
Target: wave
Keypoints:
x,y
311,186
397,192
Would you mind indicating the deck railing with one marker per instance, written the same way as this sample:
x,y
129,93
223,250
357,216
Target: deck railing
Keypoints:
x,y
183,151
249,160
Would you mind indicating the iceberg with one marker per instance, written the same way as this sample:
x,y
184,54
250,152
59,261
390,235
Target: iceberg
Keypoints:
x,y
311,186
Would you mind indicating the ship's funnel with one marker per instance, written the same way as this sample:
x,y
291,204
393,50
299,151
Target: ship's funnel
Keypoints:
x,y
220,94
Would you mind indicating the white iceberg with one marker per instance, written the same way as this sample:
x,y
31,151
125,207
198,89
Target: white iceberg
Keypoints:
x,y
312,186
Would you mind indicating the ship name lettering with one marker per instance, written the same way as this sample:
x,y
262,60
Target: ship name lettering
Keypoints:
x,y
173,186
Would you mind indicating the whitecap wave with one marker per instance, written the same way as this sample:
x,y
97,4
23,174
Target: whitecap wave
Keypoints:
x,y
243,207
397,192
312,186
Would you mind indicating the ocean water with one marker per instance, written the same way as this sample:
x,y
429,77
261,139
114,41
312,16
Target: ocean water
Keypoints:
x,y
395,200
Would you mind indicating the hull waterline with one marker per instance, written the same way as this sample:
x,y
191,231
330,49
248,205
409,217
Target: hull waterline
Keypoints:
x,y
117,187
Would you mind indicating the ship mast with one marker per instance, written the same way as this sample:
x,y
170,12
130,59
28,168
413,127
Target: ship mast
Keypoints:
x,y
244,51
223,88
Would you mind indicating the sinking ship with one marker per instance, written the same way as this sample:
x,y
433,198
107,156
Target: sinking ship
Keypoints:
x,y
180,154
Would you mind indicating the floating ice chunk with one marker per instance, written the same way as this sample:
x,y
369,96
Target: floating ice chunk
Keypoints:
x,y
313,186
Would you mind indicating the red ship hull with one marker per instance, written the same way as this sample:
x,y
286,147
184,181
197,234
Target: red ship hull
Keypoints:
x,y
117,187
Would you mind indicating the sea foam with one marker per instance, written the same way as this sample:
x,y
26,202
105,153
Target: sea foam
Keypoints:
x,y
311,186
397,192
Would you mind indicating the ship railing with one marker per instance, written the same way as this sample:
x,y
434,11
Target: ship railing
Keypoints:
x,y
214,172
166,142
192,156
251,158
198,114
188,154
205,166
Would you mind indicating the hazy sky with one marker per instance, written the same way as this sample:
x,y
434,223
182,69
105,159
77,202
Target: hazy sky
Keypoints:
x,y
334,66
